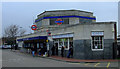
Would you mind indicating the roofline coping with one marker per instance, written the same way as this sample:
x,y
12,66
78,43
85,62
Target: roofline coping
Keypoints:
x,y
63,11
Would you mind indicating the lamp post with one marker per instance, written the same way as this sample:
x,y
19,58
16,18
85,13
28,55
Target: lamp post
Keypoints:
x,y
48,44
30,29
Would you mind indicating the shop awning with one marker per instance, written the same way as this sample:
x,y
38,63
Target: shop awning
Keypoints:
x,y
33,38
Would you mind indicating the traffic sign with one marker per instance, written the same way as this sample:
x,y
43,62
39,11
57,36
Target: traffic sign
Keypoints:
x,y
33,27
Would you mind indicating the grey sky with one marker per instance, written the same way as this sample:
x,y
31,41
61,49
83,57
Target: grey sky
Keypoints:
x,y
23,13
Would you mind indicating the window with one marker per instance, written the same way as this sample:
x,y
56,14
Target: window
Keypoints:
x,y
61,43
66,42
70,41
83,20
37,45
97,41
26,45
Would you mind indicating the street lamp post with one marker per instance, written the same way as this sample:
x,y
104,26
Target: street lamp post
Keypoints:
x,y
48,42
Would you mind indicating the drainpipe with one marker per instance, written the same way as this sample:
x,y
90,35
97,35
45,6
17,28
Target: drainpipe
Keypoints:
x,y
115,39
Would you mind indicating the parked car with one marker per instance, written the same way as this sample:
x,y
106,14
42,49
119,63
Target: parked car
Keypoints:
x,y
6,47
1,47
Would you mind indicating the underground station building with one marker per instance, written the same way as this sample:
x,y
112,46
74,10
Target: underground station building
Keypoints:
x,y
76,28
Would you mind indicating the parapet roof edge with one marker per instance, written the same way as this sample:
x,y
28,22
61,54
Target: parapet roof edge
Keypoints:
x,y
63,11
93,23
105,22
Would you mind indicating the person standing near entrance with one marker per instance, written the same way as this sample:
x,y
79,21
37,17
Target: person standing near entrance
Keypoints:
x,y
62,51
39,51
71,52
56,47
11,47
16,46
53,50
33,51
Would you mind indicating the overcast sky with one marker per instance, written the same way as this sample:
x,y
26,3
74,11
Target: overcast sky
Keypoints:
x,y
24,13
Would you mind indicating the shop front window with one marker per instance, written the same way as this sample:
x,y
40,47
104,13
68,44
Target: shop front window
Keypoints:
x,y
37,45
66,42
41,45
61,43
97,41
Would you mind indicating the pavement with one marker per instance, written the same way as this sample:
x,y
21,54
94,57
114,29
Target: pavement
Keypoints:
x,y
78,60
64,59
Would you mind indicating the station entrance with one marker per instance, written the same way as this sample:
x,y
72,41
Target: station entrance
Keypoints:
x,y
38,42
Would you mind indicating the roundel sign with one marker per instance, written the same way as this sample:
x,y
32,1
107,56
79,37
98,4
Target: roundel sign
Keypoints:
x,y
33,27
59,21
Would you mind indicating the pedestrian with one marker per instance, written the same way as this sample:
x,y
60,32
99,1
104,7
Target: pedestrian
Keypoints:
x,y
56,50
53,50
39,51
62,51
33,51
11,47
16,47
69,53
28,50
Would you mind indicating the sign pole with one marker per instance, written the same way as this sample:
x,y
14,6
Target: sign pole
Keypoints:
x,y
48,44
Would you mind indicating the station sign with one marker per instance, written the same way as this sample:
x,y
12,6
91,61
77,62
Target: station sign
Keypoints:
x,y
33,27
59,21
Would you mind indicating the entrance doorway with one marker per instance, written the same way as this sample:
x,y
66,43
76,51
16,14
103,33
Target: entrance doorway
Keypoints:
x,y
38,44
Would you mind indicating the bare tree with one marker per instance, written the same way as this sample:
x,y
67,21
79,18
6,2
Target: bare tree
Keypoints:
x,y
12,31
22,32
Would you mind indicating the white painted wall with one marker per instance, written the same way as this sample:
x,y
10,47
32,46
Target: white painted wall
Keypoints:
x,y
82,31
45,22
73,21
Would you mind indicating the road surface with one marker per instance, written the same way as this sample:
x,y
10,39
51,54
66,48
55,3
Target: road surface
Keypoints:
x,y
17,59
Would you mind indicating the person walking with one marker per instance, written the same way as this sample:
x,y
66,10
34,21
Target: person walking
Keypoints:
x,y
69,53
39,51
62,51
